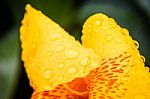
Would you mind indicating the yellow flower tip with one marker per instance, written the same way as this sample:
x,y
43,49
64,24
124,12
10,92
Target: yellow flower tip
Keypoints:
x,y
102,33
28,6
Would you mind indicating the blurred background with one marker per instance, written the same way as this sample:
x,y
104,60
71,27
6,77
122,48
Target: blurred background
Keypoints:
x,y
70,14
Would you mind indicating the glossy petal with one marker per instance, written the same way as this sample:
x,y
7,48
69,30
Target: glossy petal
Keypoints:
x,y
122,74
51,56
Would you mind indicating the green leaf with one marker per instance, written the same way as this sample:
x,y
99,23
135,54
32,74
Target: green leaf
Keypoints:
x,y
58,10
9,64
144,5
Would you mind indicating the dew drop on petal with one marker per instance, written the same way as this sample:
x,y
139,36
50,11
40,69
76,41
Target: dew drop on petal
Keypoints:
x,y
47,74
84,61
136,44
72,53
143,58
59,48
124,79
94,64
97,22
147,69
72,70
55,36
125,31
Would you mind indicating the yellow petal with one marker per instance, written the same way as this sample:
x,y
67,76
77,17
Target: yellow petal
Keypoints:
x,y
51,56
122,74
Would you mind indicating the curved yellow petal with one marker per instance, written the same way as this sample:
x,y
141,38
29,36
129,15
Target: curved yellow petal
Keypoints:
x,y
122,74
51,56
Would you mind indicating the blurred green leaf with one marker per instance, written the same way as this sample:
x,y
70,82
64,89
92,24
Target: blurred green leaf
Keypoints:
x,y
58,10
9,63
144,5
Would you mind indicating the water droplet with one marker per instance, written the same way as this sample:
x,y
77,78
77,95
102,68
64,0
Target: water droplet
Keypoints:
x,y
77,43
147,69
48,74
97,22
60,48
61,65
32,83
124,79
55,36
136,44
84,61
125,31
72,70
140,96
143,58
94,64
109,37
72,53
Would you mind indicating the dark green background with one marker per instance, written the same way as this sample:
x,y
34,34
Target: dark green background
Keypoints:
x,y
70,14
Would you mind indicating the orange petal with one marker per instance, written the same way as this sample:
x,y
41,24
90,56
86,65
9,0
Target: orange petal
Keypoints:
x,y
73,90
60,92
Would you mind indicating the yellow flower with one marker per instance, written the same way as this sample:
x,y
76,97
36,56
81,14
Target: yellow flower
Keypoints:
x,y
122,74
107,66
